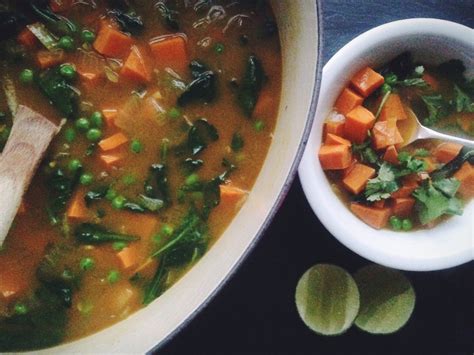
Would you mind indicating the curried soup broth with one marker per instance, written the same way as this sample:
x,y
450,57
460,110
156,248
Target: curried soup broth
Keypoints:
x,y
386,183
170,109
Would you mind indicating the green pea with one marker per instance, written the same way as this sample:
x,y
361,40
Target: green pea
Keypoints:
x,y
83,124
113,276
27,76
174,113
66,43
192,179
129,179
219,48
68,71
136,146
21,309
407,225
118,202
86,263
88,36
74,165
97,119
167,230
119,246
94,134
386,88
86,179
396,223
70,135
259,125
111,194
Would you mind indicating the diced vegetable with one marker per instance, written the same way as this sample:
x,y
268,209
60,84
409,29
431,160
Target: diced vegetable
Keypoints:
x,y
391,155
137,66
465,176
111,160
403,207
335,157
170,51
445,152
332,139
393,109
366,81
358,177
27,39
113,142
265,105
347,101
385,134
231,196
334,127
358,123
77,210
112,43
251,85
47,59
374,217
129,257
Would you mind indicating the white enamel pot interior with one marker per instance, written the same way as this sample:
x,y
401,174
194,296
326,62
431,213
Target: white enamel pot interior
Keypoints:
x,y
299,30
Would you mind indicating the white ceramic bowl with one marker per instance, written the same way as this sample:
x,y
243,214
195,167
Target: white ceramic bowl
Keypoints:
x,y
298,22
449,244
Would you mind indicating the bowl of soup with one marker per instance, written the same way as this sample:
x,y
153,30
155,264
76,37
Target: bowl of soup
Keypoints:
x,y
181,132
406,206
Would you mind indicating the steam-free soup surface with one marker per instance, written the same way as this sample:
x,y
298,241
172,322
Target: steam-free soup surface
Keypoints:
x,y
170,108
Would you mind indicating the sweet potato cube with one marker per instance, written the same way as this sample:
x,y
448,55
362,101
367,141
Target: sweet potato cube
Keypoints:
x,y
466,176
393,109
409,185
373,216
391,155
110,115
170,51
27,38
385,134
47,59
445,152
347,101
110,160
77,210
332,139
366,81
129,256
358,123
335,157
357,179
334,127
403,206
431,81
112,43
232,196
137,66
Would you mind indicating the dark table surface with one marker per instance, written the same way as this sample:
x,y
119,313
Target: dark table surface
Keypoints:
x,y
255,311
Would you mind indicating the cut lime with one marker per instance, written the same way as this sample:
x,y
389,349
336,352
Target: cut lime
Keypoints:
x,y
387,299
327,299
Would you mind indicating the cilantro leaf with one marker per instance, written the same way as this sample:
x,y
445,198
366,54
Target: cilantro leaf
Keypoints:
x,y
409,164
381,187
437,108
449,187
462,102
413,82
366,153
432,203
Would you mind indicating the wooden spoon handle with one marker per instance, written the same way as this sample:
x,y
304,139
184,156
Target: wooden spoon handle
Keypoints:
x,y
30,136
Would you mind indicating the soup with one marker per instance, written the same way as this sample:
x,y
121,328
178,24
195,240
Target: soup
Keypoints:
x,y
170,108
385,182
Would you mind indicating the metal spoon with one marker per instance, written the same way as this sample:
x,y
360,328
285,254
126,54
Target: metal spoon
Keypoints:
x,y
30,136
422,132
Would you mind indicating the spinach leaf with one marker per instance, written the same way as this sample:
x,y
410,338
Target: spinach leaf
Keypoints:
x,y
56,22
190,165
203,88
87,233
465,155
169,15
157,186
95,195
134,207
60,189
402,66
251,85
128,21
44,325
151,204
237,142
198,68
188,243
200,135
59,92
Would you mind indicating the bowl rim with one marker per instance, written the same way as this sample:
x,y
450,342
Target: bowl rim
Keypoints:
x,y
319,198
281,196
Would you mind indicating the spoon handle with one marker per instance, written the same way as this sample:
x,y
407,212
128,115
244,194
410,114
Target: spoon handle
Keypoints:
x,y
425,133
30,137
